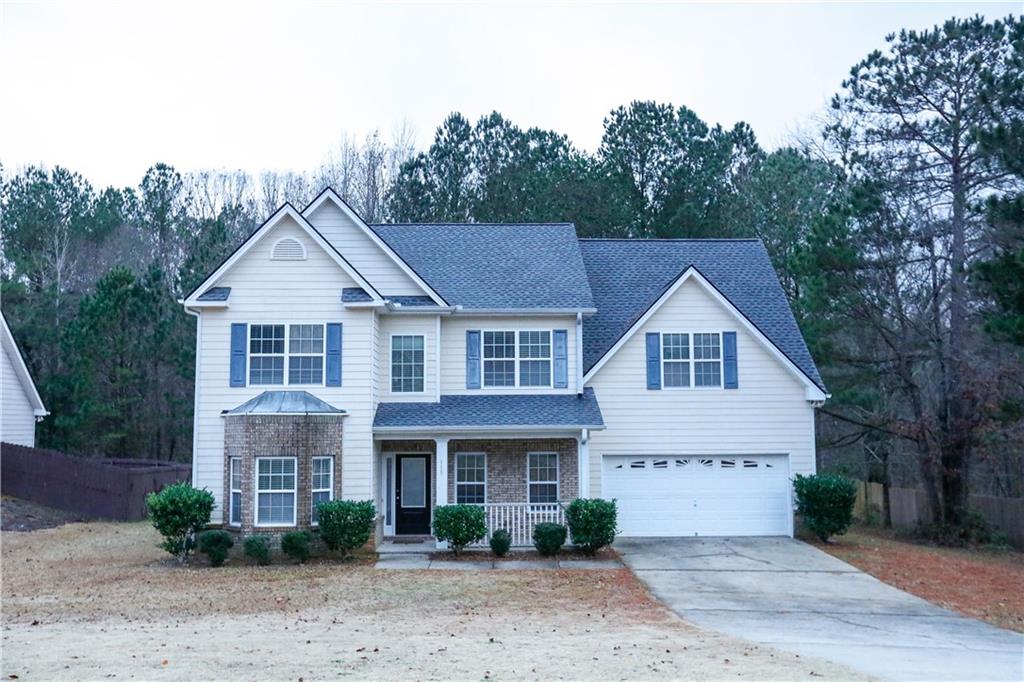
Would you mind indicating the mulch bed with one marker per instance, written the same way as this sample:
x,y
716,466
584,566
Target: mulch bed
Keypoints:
x,y
980,583
21,515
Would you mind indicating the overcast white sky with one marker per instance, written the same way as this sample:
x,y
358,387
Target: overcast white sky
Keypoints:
x,y
108,88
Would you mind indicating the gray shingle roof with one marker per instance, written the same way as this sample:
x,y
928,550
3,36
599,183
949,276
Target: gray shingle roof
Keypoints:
x,y
412,301
285,402
469,411
355,295
628,276
496,266
215,294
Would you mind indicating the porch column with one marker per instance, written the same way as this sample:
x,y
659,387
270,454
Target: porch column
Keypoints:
x,y
441,476
583,462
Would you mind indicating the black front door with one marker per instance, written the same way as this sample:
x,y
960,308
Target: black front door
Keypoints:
x,y
412,495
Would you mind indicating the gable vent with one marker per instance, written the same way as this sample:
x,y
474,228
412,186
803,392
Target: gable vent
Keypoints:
x,y
288,249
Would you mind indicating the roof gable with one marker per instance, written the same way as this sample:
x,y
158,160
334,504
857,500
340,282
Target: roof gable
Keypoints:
x,y
497,267
14,356
285,213
630,277
391,266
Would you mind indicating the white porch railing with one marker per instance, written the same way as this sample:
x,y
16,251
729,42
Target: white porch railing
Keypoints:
x,y
519,519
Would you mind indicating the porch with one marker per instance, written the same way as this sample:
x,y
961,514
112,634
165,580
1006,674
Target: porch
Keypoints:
x,y
519,483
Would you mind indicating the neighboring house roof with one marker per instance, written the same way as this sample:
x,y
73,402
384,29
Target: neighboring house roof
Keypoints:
x,y
627,276
471,412
487,267
21,369
285,402
215,294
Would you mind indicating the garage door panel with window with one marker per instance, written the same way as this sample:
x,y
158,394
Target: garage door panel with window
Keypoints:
x,y
700,495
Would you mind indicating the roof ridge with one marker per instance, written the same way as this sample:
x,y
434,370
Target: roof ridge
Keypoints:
x,y
669,239
488,224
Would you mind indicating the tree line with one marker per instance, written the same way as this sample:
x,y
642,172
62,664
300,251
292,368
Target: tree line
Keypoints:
x,y
897,228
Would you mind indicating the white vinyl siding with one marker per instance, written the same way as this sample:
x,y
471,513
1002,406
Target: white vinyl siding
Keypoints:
x,y
264,291
453,350
391,326
17,419
767,413
359,249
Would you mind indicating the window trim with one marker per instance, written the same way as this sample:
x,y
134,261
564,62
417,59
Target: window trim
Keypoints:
x,y
558,479
232,461
516,358
391,368
455,478
256,493
287,355
329,489
693,362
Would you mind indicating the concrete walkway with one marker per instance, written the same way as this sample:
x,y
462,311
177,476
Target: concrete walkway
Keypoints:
x,y
411,561
789,595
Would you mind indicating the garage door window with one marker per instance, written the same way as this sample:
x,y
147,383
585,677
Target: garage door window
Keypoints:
x,y
542,475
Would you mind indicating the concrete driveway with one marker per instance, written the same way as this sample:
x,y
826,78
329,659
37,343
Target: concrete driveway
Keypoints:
x,y
784,593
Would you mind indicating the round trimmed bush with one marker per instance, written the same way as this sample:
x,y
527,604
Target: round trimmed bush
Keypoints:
x,y
592,523
296,545
346,525
501,542
179,512
548,538
257,548
216,544
825,501
460,525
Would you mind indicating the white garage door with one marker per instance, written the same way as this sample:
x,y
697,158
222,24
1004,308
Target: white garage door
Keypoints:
x,y
700,495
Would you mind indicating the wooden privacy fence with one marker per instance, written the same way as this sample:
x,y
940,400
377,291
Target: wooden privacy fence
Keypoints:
x,y
909,508
98,488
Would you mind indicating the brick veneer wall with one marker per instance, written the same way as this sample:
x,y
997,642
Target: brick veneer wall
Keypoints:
x,y
299,436
506,467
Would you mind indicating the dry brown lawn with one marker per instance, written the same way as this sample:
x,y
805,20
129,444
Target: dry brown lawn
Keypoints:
x,y
983,584
100,601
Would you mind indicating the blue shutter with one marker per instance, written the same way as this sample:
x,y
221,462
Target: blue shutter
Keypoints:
x,y
729,360
560,353
239,339
473,359
654,361
333,364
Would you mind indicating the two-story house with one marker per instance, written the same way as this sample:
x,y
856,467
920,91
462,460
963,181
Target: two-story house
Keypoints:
x,y
514,366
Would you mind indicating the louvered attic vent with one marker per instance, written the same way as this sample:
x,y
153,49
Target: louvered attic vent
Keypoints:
x,y
288,249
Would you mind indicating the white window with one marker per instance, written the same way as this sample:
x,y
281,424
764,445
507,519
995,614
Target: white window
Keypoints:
x,y
542,477
306,354
691,360
470,478
272,347
275,491
321,484
512,359
235,483
407,364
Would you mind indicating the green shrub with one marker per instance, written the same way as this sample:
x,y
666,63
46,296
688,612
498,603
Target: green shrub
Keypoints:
x,y
826,503
501,542
460,525
976,530
257,548
179,512
296,545
548,538
346,525
216,544
592,523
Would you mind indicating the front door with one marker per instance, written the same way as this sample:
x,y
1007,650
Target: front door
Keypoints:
x,y
412,495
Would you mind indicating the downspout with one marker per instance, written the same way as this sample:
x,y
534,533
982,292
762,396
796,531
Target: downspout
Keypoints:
x,y
195,405
579,353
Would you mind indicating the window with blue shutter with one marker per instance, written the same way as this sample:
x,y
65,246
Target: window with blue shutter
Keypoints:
x,y
239,334
561,357
333,363
473,358
730,369
653,361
